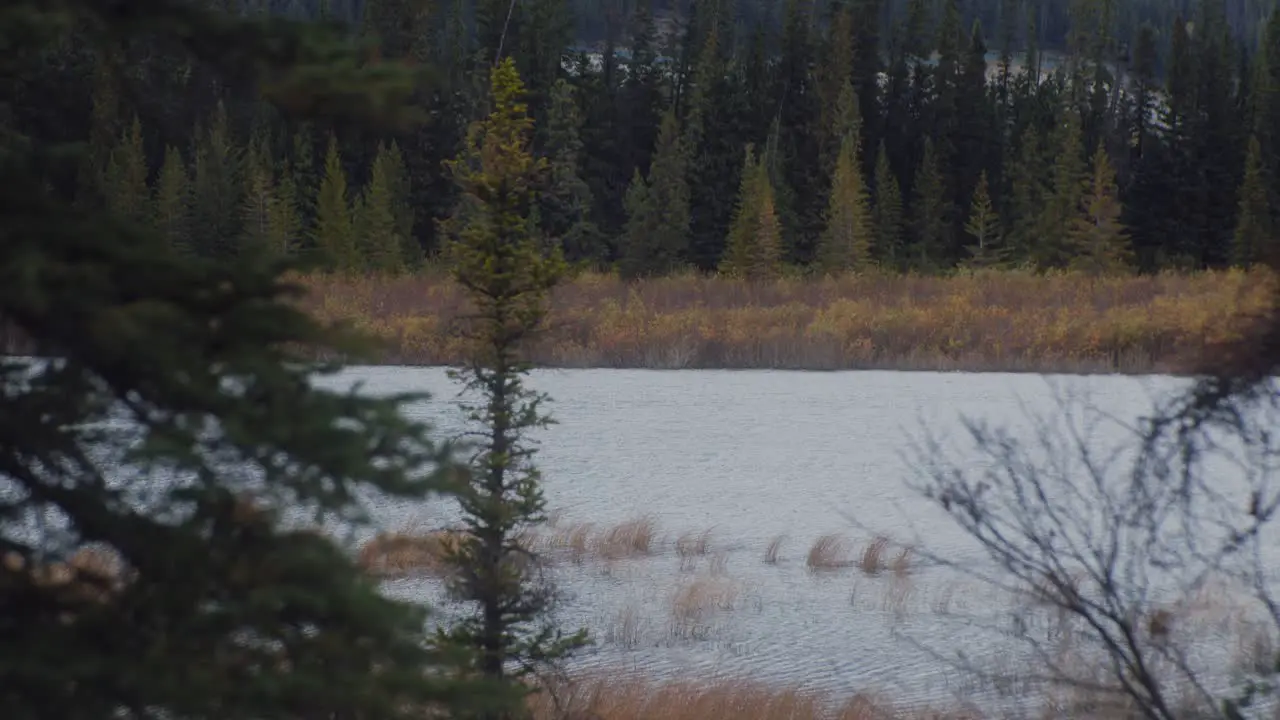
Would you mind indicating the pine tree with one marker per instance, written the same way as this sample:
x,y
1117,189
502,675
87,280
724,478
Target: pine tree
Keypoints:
x,y
1028,186
126,177
566,204
888,212
1255,238
846,242
284,227
496,254
216,189
984,227
305,177
402,210
1068,177
642,224
334,232
754,247
378,236
180,422
258,205
1098,242
932,212
170,206
664,245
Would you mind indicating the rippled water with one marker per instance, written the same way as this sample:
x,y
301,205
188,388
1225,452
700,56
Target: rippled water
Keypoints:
x,y
752,455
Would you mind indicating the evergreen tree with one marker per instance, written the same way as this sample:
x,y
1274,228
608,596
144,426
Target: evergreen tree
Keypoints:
x,y
179,422
932,212
641,229
846,241
984,227
216,189
378,236
284,226
754,247
664,245
126,177
334,233
1052,246
566,204
258,206
888,212
1097,240
497,255
305,177
401,198
1255,238
170,204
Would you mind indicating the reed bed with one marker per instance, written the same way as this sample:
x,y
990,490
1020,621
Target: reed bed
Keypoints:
x,y
981,321
406,553
633,697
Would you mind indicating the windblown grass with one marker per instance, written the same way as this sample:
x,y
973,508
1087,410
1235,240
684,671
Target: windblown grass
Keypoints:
x,y
695,604
829,552
988,321
402,554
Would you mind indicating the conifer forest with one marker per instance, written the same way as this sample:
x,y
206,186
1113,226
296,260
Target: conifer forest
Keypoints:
x,y
748,138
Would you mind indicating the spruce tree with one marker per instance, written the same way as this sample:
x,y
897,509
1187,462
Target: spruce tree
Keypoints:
x,y
170,210
334,233
379,239
1068,177
888,212
284,227
1255,238
1028,186
846,242
126,189
216,189
754,247
401,189
984,227
258,205
1096,239
496,254
932,211
566,204
660,245
642,224
177,419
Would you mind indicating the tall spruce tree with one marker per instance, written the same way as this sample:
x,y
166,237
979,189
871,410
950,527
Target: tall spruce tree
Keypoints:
x,y
378,235
126,188
175,421
216,187
1097,241
983,226
754,247
1255,238
888,212
496,254
846,241
566,203
334,233
932,211
661,245
171,202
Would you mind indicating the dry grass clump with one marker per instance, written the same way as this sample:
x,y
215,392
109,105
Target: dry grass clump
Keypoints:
x,y
981,321
695,604
574,539
691,544
829,552
773,549
631,538
626,629
402,554
635,698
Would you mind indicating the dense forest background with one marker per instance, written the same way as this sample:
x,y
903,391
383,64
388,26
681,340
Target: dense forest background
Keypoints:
x,y
747,135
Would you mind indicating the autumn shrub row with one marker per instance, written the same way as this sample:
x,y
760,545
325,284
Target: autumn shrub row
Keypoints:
x,y
979,321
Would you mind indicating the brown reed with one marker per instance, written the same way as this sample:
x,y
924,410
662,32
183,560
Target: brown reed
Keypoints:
x,y
773,549
401,554
633,697
980,321
828,552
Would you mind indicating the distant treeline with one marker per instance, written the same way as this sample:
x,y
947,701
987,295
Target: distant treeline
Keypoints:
x,y
911,134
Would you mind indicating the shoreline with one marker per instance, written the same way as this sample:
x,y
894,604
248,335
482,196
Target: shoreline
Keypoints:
x,y
985,322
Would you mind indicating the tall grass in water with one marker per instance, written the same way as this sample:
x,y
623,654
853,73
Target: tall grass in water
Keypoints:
x,y
635,698
995,321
